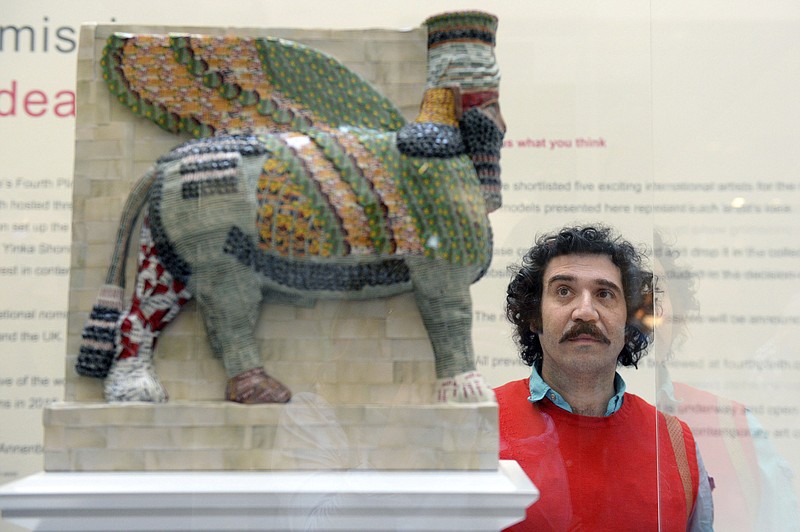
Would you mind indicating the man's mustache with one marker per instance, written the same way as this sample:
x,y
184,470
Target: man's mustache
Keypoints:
x,y
581,328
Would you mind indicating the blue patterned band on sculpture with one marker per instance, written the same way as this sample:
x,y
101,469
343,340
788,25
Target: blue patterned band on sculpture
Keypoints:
x,y
315,276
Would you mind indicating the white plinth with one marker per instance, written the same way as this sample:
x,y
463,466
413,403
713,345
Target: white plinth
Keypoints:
x,y
329,500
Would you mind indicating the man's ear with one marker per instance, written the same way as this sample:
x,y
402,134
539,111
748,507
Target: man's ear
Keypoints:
x,y
534,327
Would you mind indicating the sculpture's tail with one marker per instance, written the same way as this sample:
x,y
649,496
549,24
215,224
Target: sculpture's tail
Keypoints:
x,y
98,344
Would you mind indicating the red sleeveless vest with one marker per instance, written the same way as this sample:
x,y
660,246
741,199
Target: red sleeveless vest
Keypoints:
x,y
599,473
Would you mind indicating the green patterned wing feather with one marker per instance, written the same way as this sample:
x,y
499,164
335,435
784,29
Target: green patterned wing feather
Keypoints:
x,y
330,90
202,85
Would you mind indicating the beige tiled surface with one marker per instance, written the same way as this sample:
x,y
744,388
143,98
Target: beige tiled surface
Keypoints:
x,y
306,434
347,349
362,373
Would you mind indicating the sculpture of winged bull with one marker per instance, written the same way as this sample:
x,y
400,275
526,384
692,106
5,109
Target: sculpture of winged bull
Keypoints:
x,y
303,182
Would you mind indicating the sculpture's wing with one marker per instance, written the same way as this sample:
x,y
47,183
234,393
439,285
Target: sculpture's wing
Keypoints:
x,y
203,84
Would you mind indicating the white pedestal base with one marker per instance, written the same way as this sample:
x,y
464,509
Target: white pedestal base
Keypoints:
x,y
329,500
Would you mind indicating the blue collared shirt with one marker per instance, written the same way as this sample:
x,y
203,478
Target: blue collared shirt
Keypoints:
x,y
540,390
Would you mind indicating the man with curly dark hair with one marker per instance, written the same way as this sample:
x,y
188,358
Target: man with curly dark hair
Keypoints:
x,y
578,307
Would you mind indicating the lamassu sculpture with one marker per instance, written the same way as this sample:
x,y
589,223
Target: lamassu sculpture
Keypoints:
x,y
303,183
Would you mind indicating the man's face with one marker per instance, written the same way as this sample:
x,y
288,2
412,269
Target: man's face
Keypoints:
x,y
583,316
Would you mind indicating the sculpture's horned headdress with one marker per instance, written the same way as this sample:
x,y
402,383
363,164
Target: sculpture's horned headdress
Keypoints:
x,y
460,113
461,51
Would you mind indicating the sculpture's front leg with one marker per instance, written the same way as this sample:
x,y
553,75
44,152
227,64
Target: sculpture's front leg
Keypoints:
x,y
442,294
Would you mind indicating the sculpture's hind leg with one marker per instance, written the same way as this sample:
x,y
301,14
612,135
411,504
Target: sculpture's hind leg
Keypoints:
x,y
157,299
444,301
230,305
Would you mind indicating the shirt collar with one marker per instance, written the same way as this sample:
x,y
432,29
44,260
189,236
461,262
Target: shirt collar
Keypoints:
x,y
540,389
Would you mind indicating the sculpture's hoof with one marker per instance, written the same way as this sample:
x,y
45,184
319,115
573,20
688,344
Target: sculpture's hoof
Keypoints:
x,y
133,379
469,387
254,386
